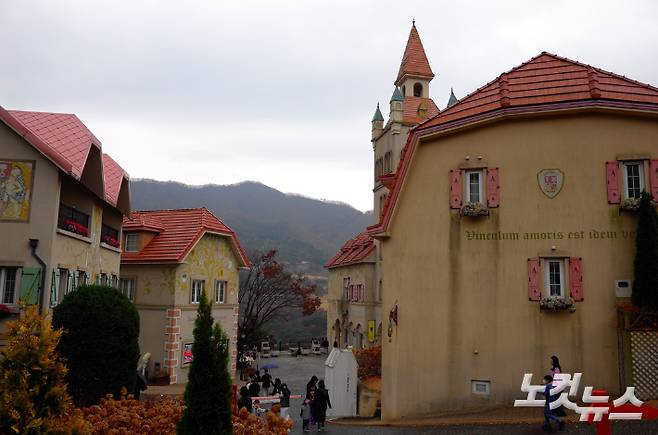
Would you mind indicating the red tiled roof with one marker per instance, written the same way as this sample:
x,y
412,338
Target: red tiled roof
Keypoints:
x,y
546,82
113,176
414,61
178,231
353,251
546,79
66,141
142,221
64,133
410,110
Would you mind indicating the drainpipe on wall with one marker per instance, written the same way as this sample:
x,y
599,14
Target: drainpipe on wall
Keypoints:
x,y
33,244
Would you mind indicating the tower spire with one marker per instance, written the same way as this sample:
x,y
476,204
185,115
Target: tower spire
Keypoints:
x,y
452,100
414,61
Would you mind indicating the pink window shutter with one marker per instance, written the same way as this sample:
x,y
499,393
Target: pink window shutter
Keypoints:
x,y
613,181
493,188
534,293
455,188
653,179
363,293
576,278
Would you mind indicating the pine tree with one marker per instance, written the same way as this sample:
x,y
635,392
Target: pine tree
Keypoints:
x,y
645,288
208,391
33,397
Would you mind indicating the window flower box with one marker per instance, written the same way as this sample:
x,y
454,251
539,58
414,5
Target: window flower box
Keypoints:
x,y
557,304
5,311
630,204
76,228
474,209
108,240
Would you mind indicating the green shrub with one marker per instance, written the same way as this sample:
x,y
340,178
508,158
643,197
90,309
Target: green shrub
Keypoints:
x,y
208,391
100,342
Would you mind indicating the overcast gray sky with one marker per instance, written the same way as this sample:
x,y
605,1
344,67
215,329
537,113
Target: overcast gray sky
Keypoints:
x,y
282,92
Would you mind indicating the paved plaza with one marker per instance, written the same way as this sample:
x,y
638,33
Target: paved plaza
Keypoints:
x,y
296,373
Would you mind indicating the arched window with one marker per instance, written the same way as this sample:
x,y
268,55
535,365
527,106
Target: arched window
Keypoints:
x,y
404,91
422,110
418,90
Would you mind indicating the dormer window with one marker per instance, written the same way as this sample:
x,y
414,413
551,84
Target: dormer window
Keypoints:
x,y
404,91
418,90
132,242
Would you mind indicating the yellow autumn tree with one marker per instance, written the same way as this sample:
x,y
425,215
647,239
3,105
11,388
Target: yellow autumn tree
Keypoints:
x,y
33,397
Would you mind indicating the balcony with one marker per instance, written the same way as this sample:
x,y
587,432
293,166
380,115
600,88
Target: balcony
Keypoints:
x,y
73,220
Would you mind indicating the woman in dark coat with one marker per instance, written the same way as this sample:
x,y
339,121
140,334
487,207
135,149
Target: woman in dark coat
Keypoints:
x,y
312,384
244,401
320,405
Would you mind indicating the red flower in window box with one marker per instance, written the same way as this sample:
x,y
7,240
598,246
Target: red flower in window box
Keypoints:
x,y
77,228
4,311
108,240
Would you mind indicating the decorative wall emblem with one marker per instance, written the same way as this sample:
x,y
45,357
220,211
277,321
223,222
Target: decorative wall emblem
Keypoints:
x,y
15,189
550,181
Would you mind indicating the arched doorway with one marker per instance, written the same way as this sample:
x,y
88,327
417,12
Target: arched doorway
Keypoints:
x,y
358,342
337,332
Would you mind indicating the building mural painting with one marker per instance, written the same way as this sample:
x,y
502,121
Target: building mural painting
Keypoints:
x,y
15,189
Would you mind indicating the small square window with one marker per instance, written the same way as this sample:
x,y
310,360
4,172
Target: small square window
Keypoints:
x,y
481,388
132,242
127,287
474,187
197,288
633,179
8,285
554,280
220,291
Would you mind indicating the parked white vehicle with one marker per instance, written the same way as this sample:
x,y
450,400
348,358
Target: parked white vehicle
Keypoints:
x,y
265,349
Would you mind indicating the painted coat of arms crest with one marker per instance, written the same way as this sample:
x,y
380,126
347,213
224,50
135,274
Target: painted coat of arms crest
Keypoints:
x,y
550,181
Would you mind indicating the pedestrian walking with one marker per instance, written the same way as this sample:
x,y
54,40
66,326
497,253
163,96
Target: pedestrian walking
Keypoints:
x,y
244,401
320,405
266,380
285,401
548,413
305,414
556,369
312,384
254,388
276,387
299,350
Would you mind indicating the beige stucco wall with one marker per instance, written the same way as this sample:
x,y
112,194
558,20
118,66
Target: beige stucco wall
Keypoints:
x,y
55,248
43,213
87,253
464,312
358,313
163,287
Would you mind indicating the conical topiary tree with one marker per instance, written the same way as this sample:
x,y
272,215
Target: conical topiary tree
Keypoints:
x,y
645,288
33,397
208,391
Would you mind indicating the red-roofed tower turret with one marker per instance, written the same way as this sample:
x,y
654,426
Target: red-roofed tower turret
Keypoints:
x,y
415,72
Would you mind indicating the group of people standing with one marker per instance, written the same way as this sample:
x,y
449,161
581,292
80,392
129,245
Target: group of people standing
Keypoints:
x,y
314,407
269,388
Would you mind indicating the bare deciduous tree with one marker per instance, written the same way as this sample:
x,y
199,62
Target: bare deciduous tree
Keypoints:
x,y
265,290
